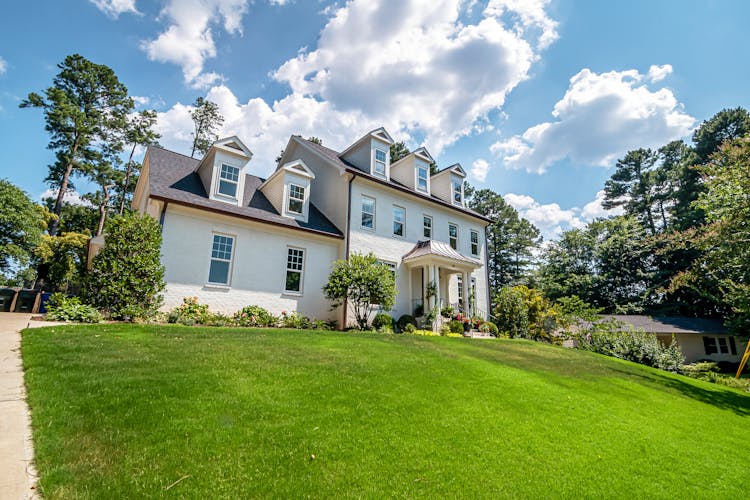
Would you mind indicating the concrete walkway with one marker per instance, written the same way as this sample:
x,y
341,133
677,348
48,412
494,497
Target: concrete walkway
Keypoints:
x,y
17,474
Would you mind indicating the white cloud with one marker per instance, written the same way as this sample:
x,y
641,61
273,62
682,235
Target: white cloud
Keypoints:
x,y
3,66
552,220
188,40
70,197
658,73
600,118
140,100
479,169
113,8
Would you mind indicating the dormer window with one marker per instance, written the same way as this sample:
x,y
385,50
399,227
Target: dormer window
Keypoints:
x,y
379,163
228,180
457,188
296,199
422,176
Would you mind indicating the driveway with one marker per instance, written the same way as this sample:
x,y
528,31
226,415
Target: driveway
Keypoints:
x,y
17,475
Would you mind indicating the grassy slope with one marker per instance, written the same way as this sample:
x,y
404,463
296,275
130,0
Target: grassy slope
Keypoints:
x,y
124,411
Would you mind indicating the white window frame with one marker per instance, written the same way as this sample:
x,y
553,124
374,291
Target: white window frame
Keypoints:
x,y
362,211
460,282
376,162
417,178
425,218
402,222
449,235
457,182
230,261
474,244
291,198
301,271
393,267
220,179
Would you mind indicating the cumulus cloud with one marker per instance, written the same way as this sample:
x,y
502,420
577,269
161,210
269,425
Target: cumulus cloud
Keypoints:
x,y
479,169
140,100
113,8
552,220
600,117
658,73
71,197
188,40
3,66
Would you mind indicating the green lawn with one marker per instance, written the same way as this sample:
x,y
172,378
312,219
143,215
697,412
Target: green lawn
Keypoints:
x,y
127,411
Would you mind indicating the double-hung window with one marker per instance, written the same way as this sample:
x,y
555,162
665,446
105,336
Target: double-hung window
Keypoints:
x,y
229,177
379,166
368,212
474,243
719,345
221,259
295,265
458,191
296,199
422,178
427,226
453,236
399,220
460,282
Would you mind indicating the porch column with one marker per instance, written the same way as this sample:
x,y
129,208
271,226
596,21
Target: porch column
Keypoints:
x,y
437,284
465,290
425,281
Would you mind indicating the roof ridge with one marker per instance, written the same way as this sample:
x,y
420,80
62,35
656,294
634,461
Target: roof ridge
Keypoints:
x,y
171,151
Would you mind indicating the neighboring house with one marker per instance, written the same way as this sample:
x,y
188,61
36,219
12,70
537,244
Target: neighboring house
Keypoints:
x,y
233,239
699,339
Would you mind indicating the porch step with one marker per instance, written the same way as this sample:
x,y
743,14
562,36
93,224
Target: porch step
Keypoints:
x,y
476,334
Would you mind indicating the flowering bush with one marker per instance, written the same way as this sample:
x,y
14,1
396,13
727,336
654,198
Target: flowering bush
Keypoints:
x,y
293,320
190,312
254,316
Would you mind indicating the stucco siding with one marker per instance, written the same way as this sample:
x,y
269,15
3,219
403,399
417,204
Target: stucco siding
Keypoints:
x,y
258,269
692,347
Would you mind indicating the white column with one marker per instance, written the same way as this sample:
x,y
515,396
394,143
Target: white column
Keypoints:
x,y
465,290
437,284
425,282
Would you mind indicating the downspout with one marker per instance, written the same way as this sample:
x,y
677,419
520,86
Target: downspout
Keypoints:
x,y
346,238
487,272
163,214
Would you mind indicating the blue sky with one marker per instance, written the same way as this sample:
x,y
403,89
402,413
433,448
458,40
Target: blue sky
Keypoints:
x,y
537,99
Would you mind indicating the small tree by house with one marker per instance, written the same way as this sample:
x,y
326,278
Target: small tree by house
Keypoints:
x,y
21,225
127,276
364,283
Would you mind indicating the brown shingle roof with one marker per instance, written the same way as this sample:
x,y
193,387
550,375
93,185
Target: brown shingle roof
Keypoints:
x,y
172,178
670,324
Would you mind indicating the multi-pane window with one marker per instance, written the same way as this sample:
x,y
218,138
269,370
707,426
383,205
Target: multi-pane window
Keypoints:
x,y
379,166
458,191
221,259
228,179
427,226
474,243
460,282
453,235
390,265
719,345
368,212
296,199
295,263
422,178
399,220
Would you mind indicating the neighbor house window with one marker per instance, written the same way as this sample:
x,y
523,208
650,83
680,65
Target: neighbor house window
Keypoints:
x,y
399,220
368,213
453,236
427,225
422,178
474,243
379,167
228,180
221,259
458,191
719,345
295,263
296,199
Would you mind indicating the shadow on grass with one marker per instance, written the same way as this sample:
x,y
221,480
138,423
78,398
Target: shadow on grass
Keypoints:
x,y
720,397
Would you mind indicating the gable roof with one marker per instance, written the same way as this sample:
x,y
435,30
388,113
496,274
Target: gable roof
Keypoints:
x,y
379,133
172,178
670,324
334,158
456,168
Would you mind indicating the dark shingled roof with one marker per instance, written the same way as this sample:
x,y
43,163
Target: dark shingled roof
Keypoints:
x,y
670,324
172,178
333,156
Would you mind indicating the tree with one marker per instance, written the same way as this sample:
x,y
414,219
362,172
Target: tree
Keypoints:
x,y
207,121
85,113
139,133
363,282
726,125
630,186
61,260
107,178
22,223
127,277
315,140
398,150
510,313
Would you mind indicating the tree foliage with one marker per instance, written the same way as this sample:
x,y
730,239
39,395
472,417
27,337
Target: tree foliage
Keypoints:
x,y
22,223
63,260
207,121
362,282
127,276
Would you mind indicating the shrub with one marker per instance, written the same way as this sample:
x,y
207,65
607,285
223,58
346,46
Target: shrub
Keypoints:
x,y
126,278
382,320
512,313
319,324
456,326
254,316
488,327
424,333
218,319
446,312
444,329
419,310
62,308
408,328
190,312
404,320
293,320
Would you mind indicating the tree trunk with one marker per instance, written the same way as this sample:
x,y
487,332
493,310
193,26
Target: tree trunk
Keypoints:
x,y
103,211
59,201
127,179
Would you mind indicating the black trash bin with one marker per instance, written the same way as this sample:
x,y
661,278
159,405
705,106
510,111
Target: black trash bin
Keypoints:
x,y
6,299
25,301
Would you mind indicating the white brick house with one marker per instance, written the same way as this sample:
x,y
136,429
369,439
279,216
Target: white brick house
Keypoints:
x,y
233,239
